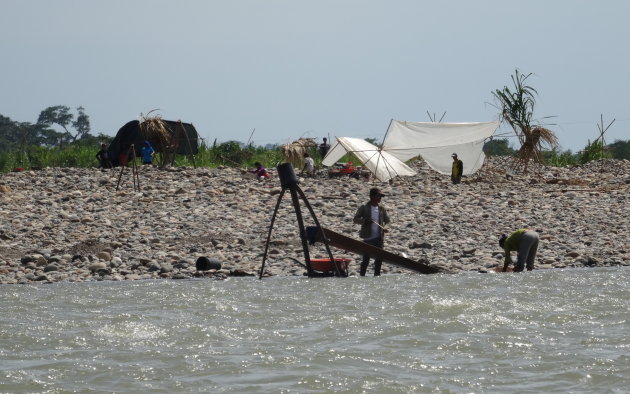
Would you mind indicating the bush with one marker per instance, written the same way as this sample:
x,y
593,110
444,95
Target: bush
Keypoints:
x,y
593,151
620,149
559,159
498,147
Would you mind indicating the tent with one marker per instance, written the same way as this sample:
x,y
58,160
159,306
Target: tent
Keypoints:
x,y
182,139
435,142
382,164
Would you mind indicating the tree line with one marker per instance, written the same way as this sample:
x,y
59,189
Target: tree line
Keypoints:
x,y
20,137
17,136
617,150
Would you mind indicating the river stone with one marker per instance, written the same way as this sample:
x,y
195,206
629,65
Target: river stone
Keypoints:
x,y
104,256
27,259
103,271
94,267
182,264
40,260
205,264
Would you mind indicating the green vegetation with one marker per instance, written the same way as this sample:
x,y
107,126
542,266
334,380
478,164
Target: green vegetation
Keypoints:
x,y
556,158
593,151
498,147
60,115
231,154
76,155
620,149
33,146
517,109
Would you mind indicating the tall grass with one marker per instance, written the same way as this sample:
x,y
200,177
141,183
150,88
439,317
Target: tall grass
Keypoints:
x,y
556,158
593,151
229,154
35,157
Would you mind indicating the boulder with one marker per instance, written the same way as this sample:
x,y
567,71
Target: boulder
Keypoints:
x,y
204,264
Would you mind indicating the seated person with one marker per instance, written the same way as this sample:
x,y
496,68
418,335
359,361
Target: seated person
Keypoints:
x,y
260,171
309,165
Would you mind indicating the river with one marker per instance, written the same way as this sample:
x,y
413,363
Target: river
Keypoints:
x,y
541,331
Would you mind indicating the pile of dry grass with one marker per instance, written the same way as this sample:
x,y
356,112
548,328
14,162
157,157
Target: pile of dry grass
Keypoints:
x,y
294,152
533,141
153,129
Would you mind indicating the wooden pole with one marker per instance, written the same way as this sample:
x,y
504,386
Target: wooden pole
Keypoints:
x,y
250,137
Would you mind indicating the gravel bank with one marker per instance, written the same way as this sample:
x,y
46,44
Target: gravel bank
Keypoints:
x,y
68,224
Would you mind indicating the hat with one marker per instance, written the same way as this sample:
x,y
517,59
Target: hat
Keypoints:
x,y
454,155
375,191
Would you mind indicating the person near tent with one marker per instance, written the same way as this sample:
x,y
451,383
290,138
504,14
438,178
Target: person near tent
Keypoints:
x,y
103,157
260,171
372,217
309,165
324,147
147,153
523,241
457,169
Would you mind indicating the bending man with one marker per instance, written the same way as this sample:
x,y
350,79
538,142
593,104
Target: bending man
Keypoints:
x,y
525,242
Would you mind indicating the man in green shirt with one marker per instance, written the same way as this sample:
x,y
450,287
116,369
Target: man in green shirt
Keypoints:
x,y
525,242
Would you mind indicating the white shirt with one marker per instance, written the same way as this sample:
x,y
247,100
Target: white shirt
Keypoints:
x,y
375,228
309,164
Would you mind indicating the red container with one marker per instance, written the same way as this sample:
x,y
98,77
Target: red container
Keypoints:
x,y
325,265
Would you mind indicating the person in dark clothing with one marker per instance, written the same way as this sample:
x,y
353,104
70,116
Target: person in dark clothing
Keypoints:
x,y
372,217
103,157
323,148
458,169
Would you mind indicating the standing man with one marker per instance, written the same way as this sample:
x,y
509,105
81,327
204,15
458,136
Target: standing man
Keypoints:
x,y
103,157
524,241
458,169
372,217
323,148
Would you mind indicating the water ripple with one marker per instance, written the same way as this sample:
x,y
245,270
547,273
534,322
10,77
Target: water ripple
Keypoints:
x,y
563,331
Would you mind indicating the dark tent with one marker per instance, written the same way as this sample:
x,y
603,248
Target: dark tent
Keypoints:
x,y
175,137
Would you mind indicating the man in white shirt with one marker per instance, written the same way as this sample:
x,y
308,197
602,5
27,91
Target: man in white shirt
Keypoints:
x,y
309,165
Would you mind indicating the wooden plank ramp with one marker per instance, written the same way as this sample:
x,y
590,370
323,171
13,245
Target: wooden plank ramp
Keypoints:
x,y
353,245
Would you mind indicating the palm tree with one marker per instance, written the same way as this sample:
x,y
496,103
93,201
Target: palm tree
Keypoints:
x,y
517,109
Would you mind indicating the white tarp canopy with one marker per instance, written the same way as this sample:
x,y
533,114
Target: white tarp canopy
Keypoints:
x,y
435,142
382,164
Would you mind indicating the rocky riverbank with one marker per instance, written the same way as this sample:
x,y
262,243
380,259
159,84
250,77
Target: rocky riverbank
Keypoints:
x,y
68,224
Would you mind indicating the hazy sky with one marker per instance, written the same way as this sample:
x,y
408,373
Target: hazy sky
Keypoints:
x,y
315,68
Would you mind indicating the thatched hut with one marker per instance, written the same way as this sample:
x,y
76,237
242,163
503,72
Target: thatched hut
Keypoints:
x,y
167,137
